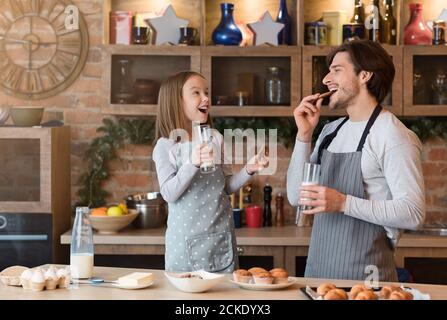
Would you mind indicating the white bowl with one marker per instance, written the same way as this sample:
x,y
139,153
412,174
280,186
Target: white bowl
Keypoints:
x,y
194,284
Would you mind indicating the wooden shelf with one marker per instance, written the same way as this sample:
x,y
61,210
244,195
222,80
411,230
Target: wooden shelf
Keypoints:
x,y
427,109
205,14
252,111
131,109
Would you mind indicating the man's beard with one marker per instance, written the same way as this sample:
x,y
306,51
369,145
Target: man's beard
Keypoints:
x,y
348,97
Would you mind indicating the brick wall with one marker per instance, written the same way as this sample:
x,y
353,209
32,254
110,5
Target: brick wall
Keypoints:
x,y
134,171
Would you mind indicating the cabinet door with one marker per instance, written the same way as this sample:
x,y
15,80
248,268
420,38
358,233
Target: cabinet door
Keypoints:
x,y
267,257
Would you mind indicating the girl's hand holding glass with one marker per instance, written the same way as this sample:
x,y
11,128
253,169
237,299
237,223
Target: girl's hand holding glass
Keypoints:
x,y
202,153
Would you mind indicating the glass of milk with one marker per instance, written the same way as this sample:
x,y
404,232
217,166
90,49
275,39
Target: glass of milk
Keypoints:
x,y
81,249
311,176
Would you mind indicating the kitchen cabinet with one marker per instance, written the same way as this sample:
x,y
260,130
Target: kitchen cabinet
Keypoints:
x,y
304,65
34,194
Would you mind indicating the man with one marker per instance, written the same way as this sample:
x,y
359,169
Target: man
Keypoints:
x,y
371,182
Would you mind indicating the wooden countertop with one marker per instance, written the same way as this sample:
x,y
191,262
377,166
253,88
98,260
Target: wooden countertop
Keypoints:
x,y
164,290
270,236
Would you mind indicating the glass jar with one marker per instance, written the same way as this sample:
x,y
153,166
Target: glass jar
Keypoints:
x,y
124,94
439,88
439,32
274,86
121,23
81,248
241,98
420,92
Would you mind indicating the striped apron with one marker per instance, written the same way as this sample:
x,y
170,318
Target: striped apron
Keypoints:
x,y
341,247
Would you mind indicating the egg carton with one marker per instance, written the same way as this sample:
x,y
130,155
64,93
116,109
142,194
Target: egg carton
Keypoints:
x,y
39,279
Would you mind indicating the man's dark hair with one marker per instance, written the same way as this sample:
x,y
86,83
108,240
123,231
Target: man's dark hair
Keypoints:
x,y
369,56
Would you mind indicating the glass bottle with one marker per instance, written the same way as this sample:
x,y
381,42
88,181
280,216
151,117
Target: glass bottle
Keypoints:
x,y
124,94
285,35
374,21
227,33
267,215
279,201
359,12
274,86
389,24
420,90
416,32
439,32
439,88
81,248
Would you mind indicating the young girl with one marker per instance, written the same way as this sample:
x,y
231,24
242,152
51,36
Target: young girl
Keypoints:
x,y
200,233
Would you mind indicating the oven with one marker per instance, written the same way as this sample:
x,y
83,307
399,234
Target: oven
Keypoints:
x,y
25,239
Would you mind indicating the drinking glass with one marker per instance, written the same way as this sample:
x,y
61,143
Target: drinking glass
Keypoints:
x,y
204,135
311,176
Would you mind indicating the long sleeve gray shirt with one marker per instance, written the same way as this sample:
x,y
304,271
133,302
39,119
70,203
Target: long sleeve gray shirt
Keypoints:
x,y
174,179
391,169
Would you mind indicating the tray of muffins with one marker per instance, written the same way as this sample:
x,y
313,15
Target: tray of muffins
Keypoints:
x,y
328,291
257,278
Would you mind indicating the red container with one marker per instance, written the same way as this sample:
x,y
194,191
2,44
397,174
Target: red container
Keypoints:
x,y
253,216
121,27
416,32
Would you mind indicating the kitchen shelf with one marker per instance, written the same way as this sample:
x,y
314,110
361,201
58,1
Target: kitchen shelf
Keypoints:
x,y
205,14
251,111
437,57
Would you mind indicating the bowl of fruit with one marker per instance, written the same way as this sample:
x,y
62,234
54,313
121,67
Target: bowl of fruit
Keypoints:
x,y
109,220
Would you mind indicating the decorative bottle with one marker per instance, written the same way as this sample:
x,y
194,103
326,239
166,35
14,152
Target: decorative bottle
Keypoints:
x,y
227,33
416,32
285,35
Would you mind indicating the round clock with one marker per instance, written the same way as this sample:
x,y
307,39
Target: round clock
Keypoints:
x,y
43,47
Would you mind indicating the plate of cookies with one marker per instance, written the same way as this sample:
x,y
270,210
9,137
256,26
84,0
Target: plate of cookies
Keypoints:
x,y
328,291
257,278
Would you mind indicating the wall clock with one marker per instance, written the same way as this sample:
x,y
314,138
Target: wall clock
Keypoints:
x,y
43,47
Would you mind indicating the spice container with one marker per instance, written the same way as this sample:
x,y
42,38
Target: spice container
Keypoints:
x,y
439,32
335,21
274,86
316,33
121,23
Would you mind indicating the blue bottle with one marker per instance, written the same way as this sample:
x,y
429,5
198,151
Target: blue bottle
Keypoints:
x,y
285,36
227,33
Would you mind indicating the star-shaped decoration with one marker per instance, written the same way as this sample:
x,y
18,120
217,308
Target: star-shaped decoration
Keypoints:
x,y
266,30
167,26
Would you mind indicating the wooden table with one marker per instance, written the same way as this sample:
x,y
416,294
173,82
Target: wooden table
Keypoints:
x,y
284,244
164,290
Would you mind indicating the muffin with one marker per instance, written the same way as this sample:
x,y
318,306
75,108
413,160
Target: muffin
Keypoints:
x,y
256,270
242,275
324,288
401,295
263,278
355,290
279,276
336,294
277,269
366,295
387,290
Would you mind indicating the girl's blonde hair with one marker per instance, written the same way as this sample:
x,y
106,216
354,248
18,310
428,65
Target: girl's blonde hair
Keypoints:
x,y
170,114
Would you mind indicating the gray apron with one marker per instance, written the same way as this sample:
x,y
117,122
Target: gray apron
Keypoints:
x,y
200,233
341,247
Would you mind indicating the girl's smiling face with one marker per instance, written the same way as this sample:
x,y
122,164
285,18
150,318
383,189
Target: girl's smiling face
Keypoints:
x,y
196,104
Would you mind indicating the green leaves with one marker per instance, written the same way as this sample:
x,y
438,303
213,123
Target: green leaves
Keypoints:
x,y
103,148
